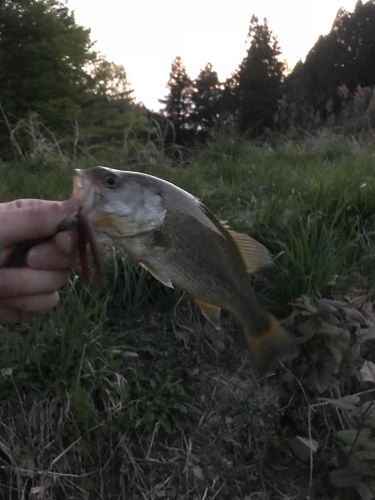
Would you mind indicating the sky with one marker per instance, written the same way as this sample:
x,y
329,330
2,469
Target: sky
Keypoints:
x,y
146,35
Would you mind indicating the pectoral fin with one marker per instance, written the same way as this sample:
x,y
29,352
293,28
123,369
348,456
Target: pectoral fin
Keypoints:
x,y
157,275
254,254
210,311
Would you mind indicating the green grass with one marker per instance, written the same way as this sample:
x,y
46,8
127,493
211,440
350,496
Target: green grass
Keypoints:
x,y
124,391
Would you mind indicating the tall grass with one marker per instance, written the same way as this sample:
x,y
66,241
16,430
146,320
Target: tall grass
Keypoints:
x,y
124,391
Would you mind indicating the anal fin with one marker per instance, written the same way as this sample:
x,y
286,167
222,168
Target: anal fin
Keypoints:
x,y
210,311
157,275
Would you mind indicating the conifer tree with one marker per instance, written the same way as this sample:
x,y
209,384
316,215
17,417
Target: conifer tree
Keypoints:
x,y
345,56
259,78
205,102
178,103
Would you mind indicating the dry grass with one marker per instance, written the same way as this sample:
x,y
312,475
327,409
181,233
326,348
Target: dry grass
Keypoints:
x,y
125,391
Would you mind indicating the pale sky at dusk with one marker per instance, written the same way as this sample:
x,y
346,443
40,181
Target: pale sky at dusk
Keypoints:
x,y
146,35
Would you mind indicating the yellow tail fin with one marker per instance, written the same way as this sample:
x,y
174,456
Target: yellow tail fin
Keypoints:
x,y
270,345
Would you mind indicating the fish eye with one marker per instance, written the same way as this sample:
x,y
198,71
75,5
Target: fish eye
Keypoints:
x,y
111,181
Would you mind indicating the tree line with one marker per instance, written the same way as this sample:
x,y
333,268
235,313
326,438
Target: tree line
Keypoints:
x,y
49,69
260,96
50,72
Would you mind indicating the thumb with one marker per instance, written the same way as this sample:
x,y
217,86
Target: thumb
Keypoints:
x,y
28,219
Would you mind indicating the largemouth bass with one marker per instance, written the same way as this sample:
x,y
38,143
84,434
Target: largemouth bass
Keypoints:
x,y
174,236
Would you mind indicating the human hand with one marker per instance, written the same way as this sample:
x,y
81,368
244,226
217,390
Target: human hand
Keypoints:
x,y
34,286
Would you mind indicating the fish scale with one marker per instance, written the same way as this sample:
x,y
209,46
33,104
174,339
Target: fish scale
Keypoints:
x,y
173,235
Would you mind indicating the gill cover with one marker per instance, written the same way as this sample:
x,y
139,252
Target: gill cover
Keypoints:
x,y
117,204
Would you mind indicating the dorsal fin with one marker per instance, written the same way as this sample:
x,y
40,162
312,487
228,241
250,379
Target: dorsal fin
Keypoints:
x,y
210,311
157,275
253,253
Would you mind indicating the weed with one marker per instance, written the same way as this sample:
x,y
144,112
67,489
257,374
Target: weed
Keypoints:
x,y
124,391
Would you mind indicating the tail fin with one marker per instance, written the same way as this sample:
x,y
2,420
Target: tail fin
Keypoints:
x,y
270,344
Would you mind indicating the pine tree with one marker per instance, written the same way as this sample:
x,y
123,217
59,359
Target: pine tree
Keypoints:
x,y
259,80
345,56
178,103
205,102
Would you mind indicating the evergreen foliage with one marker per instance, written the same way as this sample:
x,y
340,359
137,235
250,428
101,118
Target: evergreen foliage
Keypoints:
x,y
51,75
206,97
345,56
178,103
247,101
259,80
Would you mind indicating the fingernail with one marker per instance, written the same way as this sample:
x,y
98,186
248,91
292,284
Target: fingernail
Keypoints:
x,y
70,206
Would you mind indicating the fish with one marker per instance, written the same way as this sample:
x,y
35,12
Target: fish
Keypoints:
x,y
181,243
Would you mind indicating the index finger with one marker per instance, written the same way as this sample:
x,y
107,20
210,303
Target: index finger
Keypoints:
x,y
22,220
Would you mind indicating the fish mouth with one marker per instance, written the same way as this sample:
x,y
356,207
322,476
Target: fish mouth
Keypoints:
x,y
83,189
77,184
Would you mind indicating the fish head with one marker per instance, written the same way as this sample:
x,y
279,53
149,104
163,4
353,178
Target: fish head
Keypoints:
x,y
118,203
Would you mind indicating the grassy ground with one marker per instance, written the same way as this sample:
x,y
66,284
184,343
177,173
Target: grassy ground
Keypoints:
x,y
124,391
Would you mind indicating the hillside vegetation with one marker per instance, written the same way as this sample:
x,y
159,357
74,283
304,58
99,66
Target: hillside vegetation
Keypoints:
x,y
125,391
